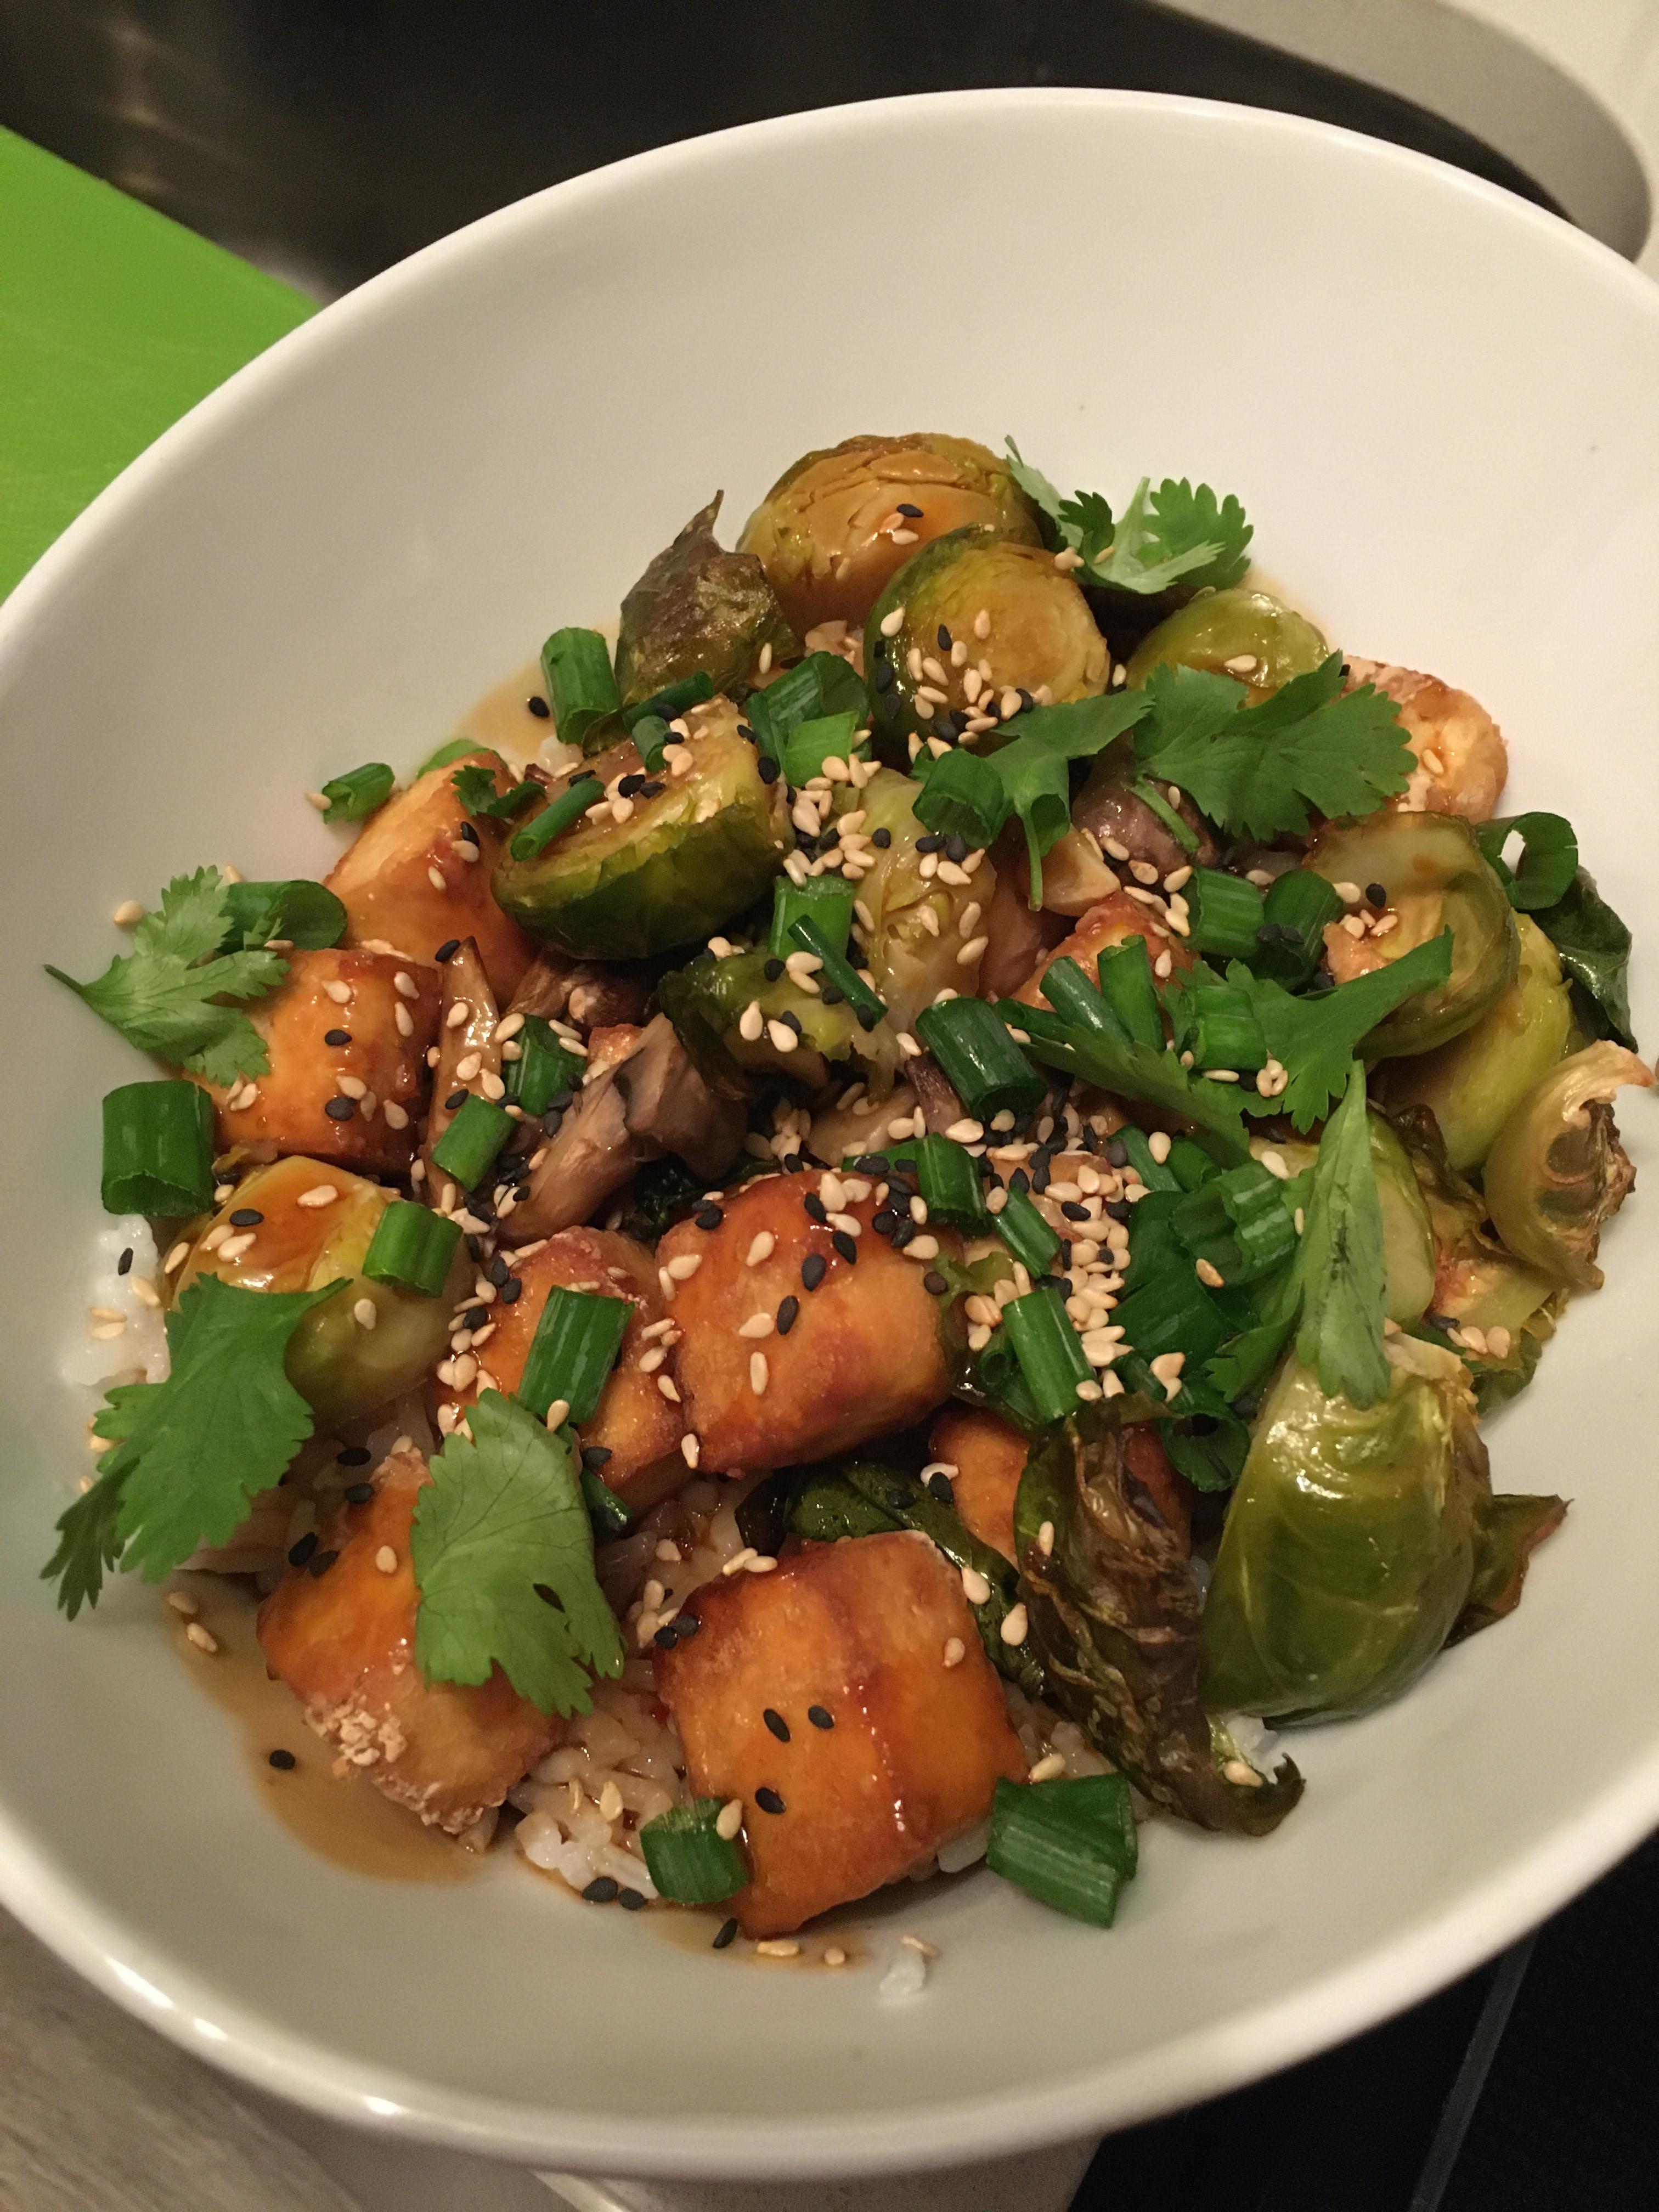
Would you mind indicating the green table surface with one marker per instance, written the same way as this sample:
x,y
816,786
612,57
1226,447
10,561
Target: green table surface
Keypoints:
x,y
114,321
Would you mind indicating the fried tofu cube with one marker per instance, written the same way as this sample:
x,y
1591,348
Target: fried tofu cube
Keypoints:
x,y
344,1642
634,1421
1103,929
865,1353
858,1631
987,1456
387,1008
412,881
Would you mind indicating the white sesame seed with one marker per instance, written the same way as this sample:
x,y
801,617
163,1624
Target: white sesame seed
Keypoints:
x,y
233,1247
965,1132
557,1413
365,1312
973,950
1209,1274
436,877
921,1248
1048,1768
955,1651
176,1257
757,1325
180,1601
1066,560
782,1037
1016,1623
690,1449
763,665
784,1947
201,1637
729,1819
1046,1540
759,1373
760,1248
340,993
974,1588
684,1266
1350,894
892,623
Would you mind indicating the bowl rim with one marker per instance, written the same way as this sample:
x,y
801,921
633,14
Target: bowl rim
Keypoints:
x,y
113,1954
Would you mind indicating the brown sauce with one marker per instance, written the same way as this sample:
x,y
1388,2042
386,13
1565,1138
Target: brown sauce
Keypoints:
x,y
346,1820
501,718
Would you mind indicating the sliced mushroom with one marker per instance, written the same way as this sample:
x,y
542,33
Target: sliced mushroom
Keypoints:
x,y
596,995
469,1058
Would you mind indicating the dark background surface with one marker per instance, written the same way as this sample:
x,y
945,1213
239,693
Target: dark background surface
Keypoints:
x,y
325,139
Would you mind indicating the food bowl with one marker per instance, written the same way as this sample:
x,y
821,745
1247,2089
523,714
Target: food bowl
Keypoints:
x,y
1441,407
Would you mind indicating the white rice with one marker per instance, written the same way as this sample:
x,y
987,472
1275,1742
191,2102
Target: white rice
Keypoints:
x,y
139,1353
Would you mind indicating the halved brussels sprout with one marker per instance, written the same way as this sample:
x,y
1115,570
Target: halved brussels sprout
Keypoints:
x,y
1040,634
698,608
913,949
696,849
1431,867
1557,1170
707,1002
834,526
1238,633
1348,1549
340,1368
1477,1284
1472,1083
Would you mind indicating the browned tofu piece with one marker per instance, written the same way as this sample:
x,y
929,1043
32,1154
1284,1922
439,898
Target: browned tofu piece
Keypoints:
x,y
866,1352
386,879
988,1454
859,1631
345,1644
387,1008
634,1421
1102,929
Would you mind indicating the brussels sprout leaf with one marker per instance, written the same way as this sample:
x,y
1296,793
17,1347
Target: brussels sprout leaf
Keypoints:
x,y
1340,1264
166,996
1548,859
189,1453
503,1553
1262,769
1173,535
1594,945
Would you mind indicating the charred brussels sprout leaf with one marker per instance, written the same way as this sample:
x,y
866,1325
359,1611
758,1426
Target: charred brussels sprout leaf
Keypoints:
x,y
1548,858
1595,947
707,1002
911,961
1115,1618
1558,1171
1507,1532
1245,635
698,609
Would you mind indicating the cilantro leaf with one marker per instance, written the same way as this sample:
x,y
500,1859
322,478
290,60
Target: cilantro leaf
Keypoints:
x,y
1340,1265
1173,535
168,995
475,787
1129,1069
187,1455
1260,769
1187,519
501,1520
1315,1038
1136,562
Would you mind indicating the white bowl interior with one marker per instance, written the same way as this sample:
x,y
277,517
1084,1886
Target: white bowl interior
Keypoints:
x,y
1442,410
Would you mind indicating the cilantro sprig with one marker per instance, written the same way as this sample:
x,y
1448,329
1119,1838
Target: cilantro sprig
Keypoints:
x,y
174,995
475,787
503,1554
189,1453
1173,534
1341,1272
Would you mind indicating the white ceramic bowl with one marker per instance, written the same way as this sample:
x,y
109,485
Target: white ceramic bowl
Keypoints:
x,y
1442,409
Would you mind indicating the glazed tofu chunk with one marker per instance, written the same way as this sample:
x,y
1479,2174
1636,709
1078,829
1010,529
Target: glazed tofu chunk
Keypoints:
x,y
1102,929
636,1421
873,1636
987,1456
789,1350
414,881
347,1036
344,1642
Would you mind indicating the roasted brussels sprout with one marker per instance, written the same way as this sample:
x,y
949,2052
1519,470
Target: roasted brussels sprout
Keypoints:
x,y
1472,1083
698,609
834,526
1349,1549
1431,867
981,616
709,1003
340,1366
914,948
1477,1284
694,850
1557,1170
1237,633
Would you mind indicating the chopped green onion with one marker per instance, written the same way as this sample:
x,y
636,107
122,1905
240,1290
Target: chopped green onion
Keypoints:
x,y
827,900
809,744
573,802
1157,1175
1192,1164
1074,997
1225,913
1225,1032
948,1177
302,912
979,1058
964,796
574,1349
542,1069
1239,1222
1549,856
690,1863
672,701
452,749
651,735
1046,1345
1069,1843
468,1147
1027,1234
355,794
158,1149
609,1513
823,683
412,1246
1172,1311
1149,795
840,971
581,685
1297,909
1126,985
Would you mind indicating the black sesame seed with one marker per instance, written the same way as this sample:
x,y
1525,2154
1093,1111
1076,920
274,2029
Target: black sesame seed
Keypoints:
x,y
708,1217
688,1625
815,1210
915,513
498,1272
726,1936
956,848
512,1290
768,1800
467,831
933,842
1019,1180
538,707
300,1553
767,768
1074,1210
944,634
886,676
354,1456
562,1100
1120,1209
652,787
940,1485
601,1891
455,1100
628,786
885,1221
831,995
846,1245
786,1312
776,1722
1117,1152
319,1563
552,1121
903,1235
883,838
336,1037
1025,699
935,1284
124,1264
793,1164
340,1109
773,969
630,1900
360,1493
448,950
791,1021
820,1717
283,1761
1323,980
667,1636
812,1269
1377,894
246,1217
